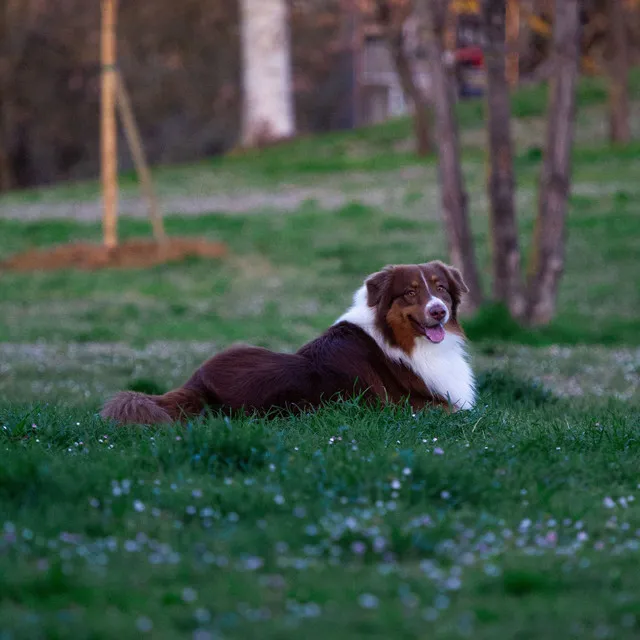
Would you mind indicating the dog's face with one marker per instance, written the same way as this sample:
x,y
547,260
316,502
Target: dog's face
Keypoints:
x,y
416,302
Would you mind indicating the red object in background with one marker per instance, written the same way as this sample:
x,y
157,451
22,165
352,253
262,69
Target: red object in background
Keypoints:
x,y
472,56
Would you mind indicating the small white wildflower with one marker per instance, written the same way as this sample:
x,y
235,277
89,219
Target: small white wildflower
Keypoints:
x,y
368,601
189,594
144,624
358,547
202,615
453,583
525,524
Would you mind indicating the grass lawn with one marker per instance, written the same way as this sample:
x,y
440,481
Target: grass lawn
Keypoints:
x,y
519,519
515,520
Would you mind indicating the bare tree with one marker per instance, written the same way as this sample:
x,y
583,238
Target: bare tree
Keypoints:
x,y
454,197
268,113
507,287
392,20
17,22
550,231
619,73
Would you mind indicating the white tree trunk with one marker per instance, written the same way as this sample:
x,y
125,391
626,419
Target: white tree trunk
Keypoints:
x,y
268,113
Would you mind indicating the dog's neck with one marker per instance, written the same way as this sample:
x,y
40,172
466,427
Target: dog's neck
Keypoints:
x,y
443,367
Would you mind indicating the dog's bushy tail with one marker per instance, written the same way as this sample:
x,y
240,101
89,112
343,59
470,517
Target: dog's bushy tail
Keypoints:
x,y
131,407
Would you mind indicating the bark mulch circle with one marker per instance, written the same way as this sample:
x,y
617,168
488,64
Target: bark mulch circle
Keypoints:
x,y
130,254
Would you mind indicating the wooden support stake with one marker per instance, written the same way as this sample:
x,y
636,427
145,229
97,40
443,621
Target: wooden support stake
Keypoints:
x,y
108,132
139,159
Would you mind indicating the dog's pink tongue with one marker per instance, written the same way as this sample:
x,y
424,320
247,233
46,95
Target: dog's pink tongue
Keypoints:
x,y
435,334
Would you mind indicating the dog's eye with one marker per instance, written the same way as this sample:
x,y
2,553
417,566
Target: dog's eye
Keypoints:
x,y
442,289
410,293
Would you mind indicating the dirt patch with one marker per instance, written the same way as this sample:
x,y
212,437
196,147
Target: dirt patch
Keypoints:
x,y
132,254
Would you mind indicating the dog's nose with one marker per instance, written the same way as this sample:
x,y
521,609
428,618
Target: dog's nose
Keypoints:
x,y
438,313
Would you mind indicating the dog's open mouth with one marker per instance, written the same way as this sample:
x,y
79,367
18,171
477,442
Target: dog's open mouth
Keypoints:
x,y
434,334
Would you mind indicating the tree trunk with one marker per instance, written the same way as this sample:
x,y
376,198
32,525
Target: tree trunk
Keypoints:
x,y
17,21
550,231
268,113
393,30
413,92
6,68
619,131
454,197
507,276
6,170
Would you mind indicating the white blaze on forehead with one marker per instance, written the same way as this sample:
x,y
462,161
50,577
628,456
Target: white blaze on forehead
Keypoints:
x,y
426,284
434,301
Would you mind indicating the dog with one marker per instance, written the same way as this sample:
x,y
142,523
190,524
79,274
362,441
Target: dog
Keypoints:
x,y
400,341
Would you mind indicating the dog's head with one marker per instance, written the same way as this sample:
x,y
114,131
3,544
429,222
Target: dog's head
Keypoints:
x,y
417,301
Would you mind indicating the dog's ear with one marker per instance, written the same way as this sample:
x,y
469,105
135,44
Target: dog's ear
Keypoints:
x,y
377,285
456,281
455,277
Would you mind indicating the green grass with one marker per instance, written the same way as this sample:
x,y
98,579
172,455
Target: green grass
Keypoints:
x,y
291,275
350,521
519,519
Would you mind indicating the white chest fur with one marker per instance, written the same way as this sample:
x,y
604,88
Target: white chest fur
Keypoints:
x,y
444,367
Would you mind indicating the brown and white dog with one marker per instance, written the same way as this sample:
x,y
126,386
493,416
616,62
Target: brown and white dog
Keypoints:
x,y
399,341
